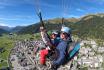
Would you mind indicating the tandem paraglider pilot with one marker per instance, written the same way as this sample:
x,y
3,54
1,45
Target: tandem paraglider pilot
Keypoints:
x,y
65,39
62,46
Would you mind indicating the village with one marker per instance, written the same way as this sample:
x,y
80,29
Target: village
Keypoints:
x,y
90,56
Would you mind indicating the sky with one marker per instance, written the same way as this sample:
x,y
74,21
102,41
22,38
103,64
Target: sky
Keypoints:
x,y
24,12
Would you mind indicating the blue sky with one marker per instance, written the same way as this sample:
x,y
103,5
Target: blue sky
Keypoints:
x,y
23,12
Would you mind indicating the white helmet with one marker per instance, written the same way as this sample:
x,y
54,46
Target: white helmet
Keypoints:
x,y
65,29
55,32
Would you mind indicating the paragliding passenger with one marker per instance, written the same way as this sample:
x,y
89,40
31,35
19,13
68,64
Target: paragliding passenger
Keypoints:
x,y
54,42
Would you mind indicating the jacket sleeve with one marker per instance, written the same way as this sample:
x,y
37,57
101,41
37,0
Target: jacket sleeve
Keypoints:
x,y
46,38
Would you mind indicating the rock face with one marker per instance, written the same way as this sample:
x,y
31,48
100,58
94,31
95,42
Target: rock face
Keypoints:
x,y
25,56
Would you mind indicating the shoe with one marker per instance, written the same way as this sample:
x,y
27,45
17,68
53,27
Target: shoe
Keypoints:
x,y
42,65
53,67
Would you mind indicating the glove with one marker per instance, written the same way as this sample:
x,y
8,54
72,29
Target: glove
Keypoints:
x,y
48,48
42,28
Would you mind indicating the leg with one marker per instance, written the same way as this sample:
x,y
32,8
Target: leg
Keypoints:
x,y
43,54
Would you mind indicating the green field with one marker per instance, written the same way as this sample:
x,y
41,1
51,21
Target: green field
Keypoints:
x,y
7,43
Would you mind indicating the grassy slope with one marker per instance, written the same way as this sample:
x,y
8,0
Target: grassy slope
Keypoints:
x,y
8,44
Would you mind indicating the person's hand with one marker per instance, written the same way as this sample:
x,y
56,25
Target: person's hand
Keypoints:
x,y
42,28
48,48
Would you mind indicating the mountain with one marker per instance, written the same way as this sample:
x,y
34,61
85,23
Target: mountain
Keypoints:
x,y
30,29
50,25
12,29
59,20
16,29
5,28
91,25
35,28
3,31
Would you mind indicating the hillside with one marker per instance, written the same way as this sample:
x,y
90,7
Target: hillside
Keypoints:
x,y
5,28
3,31
91,26
17,28
29,29
50,25
87,26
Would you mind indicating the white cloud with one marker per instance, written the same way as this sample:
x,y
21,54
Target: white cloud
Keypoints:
x,y
49,5
23,17
16,17
30,1
39,3
5,3
15,20
80,10
70,16
3,24
15,2
26,24
75,16
8,19
99,2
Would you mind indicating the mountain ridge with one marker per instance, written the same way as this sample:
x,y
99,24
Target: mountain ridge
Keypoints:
x,y
90,25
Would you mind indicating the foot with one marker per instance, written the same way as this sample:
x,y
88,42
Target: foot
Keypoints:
x,y
53,67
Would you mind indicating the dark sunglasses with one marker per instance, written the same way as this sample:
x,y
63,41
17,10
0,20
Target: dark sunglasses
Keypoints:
x,y
54,34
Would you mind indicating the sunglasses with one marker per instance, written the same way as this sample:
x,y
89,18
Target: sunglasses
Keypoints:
x,y
54,34
64,33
